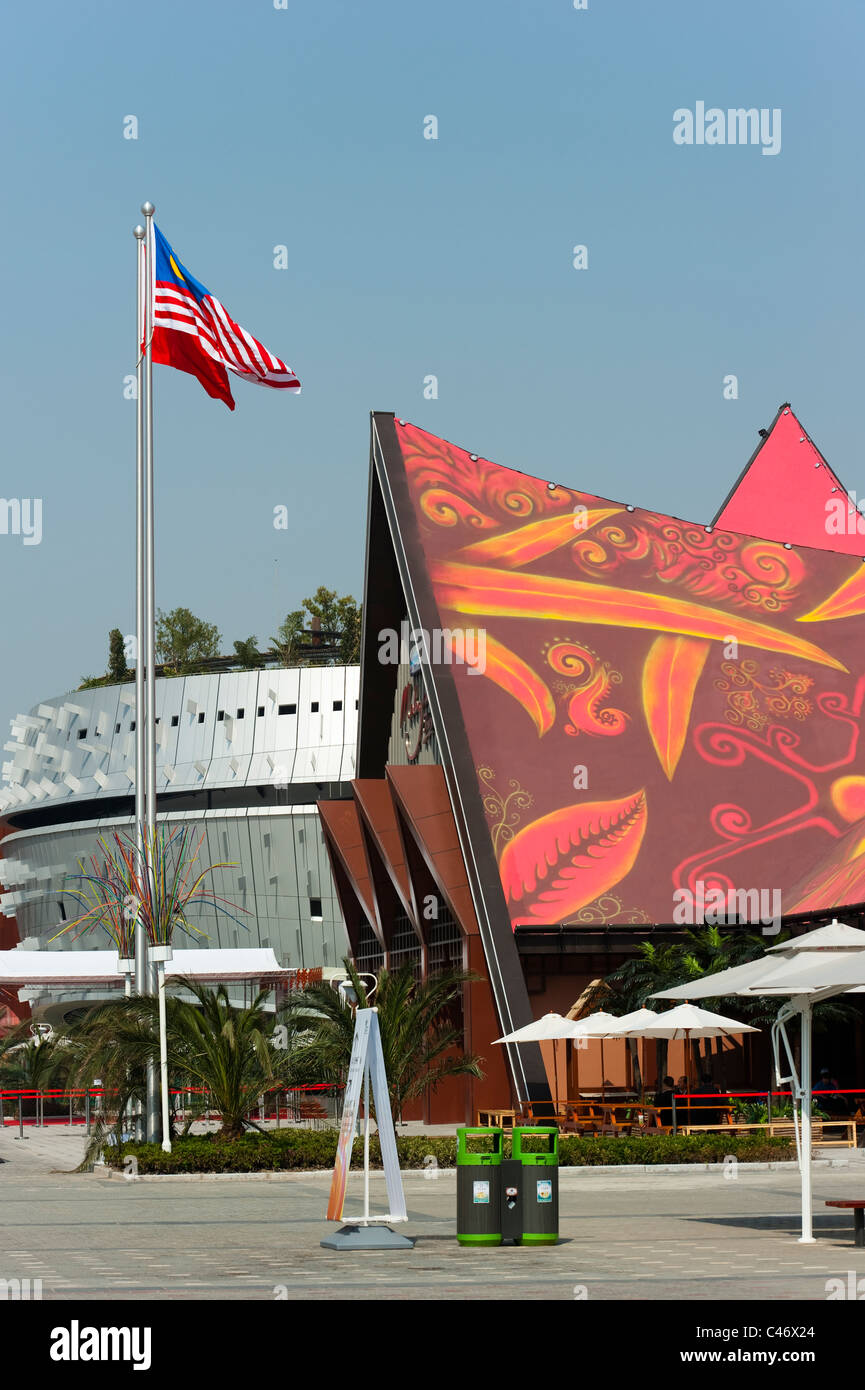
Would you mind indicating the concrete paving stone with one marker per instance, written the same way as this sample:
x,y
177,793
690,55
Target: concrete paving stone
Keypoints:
x,y
625,1235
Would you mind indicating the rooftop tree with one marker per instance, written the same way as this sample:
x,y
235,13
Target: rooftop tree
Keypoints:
x,y
184,641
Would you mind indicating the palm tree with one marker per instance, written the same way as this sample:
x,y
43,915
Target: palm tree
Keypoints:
x,y
421,1042
228,1052
28,1060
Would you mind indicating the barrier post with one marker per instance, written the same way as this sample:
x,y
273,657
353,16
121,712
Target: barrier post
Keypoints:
x,y
21,1134
87,1111
675,1127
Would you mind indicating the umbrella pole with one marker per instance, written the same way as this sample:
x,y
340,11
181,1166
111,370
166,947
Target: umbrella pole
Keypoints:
x,y
807,1236
556,1072
603,1074
688,1074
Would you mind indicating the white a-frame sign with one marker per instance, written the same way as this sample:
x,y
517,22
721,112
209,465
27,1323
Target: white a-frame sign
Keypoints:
x,y
367,1065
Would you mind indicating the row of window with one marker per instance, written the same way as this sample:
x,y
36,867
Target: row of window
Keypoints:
x,y
220,716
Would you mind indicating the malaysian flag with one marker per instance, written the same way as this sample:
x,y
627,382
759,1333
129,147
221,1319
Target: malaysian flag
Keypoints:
x,y
193,332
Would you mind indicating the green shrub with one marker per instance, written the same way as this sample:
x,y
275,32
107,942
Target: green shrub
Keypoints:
x,y
756,1113
609,1149
535,1143
296,1150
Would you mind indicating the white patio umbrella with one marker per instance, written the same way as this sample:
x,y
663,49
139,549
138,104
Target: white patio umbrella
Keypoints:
x,y
631,1023
821,964
688,1022
552,1027
599,1025
624,1026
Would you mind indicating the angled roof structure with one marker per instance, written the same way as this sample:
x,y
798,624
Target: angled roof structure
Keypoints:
x,y
659,706
788,492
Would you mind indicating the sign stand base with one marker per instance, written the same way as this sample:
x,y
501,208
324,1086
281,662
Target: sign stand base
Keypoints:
x,y
367,1238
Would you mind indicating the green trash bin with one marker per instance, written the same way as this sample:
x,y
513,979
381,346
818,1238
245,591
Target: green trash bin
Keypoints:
x,y
479,1187
540,1185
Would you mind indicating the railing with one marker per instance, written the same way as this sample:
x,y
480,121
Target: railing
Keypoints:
x,y
86,1102
720,1104
681,1114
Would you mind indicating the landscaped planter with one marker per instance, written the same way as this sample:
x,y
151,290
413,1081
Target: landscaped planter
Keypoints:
x,y
298,1149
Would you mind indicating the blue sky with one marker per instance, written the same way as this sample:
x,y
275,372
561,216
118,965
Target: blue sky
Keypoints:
x,y
303,127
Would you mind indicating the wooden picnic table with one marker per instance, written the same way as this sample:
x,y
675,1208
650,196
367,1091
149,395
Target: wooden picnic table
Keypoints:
x,y
496,1119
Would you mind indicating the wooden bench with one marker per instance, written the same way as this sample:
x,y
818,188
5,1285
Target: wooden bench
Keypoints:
x,y
858,1218
784,1128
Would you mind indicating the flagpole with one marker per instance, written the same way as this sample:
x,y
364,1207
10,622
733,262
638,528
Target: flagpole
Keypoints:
x,y
148,585
140,938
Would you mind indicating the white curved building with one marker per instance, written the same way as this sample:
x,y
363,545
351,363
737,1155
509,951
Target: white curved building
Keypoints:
x,y
242,756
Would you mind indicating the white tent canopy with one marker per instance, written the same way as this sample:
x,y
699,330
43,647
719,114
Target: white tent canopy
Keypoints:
x,y
35,968
821,964
801,971
836,936
732,981
842,969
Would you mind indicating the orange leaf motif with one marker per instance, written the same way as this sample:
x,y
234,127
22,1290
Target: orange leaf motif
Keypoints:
x,y
508,671
527,543
497,592
566,859
670,674
847,601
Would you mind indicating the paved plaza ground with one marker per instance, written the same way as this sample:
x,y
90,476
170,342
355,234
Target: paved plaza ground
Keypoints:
x,y
624,1235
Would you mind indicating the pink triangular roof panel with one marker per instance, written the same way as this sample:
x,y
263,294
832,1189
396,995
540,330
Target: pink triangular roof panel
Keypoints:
x,y
788,492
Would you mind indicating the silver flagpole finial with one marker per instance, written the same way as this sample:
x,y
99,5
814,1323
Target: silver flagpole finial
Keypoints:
x,y
139,233
148,209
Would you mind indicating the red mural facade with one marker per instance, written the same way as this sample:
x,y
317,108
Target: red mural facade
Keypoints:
x,y
660,705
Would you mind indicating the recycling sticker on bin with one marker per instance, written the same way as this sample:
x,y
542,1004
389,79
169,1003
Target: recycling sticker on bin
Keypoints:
x,y
545,1190
481,1192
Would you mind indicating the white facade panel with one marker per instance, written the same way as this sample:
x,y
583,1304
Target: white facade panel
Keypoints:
x,y
77,751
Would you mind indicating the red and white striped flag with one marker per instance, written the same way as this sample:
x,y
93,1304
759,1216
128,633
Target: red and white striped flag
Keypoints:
x,y
193,332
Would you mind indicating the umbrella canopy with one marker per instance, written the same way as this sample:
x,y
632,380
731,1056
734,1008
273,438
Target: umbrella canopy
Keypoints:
x,y
687,1021
734,980
550,1028
632,1024
811,962
830,959
597,1025
810,971
837,935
